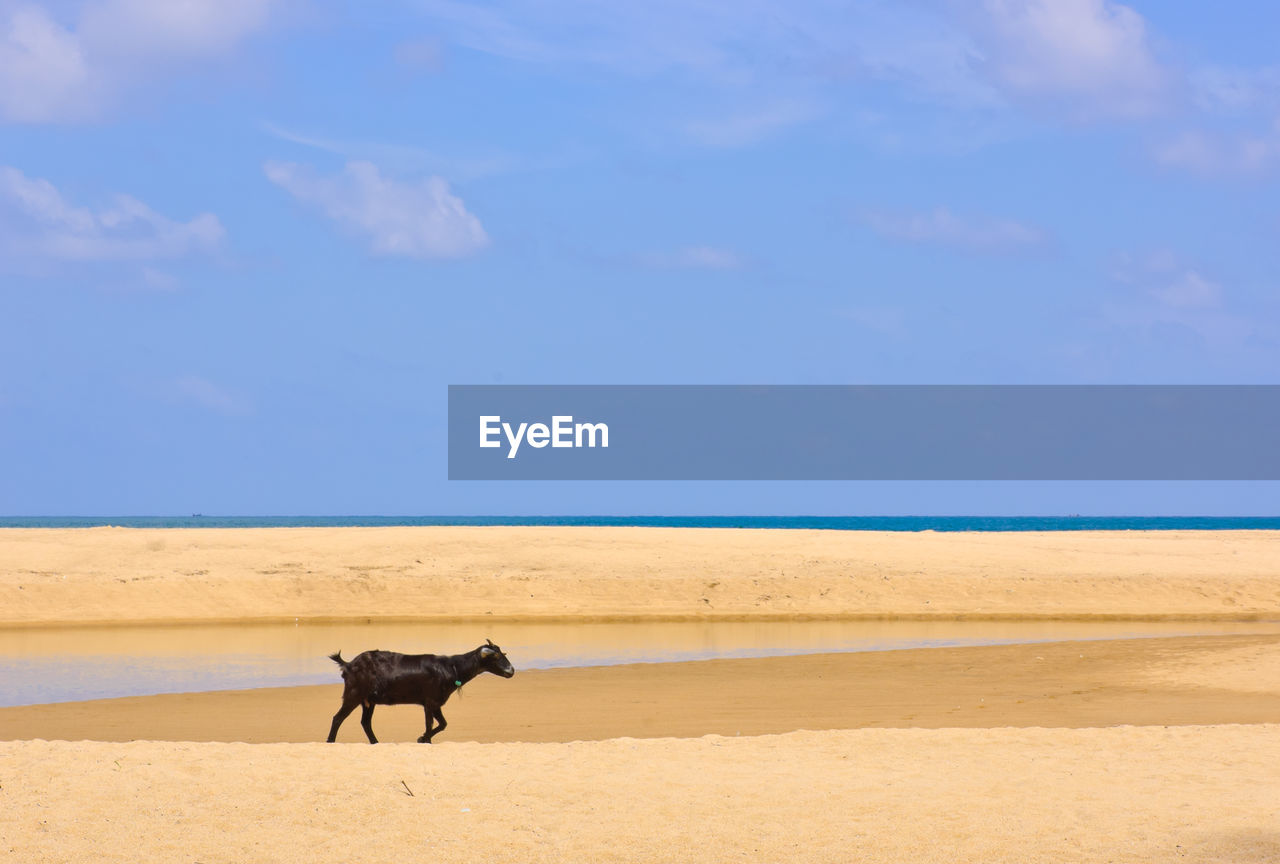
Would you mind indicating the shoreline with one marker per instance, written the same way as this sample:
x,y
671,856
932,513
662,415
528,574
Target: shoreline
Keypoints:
x,y
1148,681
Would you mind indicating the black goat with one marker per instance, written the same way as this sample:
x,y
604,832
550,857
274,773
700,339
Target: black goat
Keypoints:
x,y
387,678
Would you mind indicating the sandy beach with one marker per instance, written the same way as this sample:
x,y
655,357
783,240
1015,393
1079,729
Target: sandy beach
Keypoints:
x,y
1111,750
115,575
1124,794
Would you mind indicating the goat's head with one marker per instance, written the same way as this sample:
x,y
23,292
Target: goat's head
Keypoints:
x,y
493,660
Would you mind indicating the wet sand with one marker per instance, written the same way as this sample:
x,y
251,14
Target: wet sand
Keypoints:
x,y
1182,681
119,575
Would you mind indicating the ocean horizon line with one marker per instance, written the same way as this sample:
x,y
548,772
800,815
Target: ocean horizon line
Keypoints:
x,y
1070,522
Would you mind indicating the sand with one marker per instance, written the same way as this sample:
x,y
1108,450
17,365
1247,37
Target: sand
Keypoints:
x,y
1123,794
1067,684
1132,750
114,575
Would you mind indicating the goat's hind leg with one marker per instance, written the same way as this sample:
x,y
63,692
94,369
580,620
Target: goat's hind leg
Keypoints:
x,y
348,705
366,721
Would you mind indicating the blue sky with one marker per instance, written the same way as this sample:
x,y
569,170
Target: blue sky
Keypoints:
x,y
245,245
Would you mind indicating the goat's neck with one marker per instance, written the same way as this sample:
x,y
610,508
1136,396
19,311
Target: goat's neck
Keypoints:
x,y
467,666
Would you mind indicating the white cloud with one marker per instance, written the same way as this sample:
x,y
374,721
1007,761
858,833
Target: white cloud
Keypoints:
x,y
941,226
179,29
695,258
417,220
37,222
51,71
1088,57
43,71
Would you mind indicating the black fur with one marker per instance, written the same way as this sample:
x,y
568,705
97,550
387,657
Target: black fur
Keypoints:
x,y
387,678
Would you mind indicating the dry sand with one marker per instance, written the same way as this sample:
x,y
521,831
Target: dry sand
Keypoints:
x,y
1157,791
113,575
1123,794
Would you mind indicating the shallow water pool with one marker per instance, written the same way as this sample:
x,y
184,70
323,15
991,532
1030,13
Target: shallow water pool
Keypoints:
x,y
70,664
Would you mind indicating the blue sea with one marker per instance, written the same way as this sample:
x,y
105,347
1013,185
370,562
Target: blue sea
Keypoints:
x,y
830,523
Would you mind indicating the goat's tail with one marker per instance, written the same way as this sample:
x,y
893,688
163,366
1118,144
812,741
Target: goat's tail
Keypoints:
x,y
336,657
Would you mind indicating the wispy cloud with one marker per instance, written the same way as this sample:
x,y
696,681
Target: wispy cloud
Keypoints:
x,y
1222,153
36,221
634,38
1236,129
158,280
694,258
1163,294
1164,277
208,395
1235,89
1084,59
745,127
414,219
941,226
1189,290
420,55
890,320
405,158
52,71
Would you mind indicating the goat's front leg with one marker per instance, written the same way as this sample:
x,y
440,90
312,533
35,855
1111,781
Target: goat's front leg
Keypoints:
x,y
431,733
425,737
366,720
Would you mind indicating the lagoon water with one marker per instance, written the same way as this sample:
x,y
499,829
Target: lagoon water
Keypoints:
x,y
70,664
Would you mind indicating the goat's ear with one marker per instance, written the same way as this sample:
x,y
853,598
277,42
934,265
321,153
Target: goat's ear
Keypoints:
x,y
486,651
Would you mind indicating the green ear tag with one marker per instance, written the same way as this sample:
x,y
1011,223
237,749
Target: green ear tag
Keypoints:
x,y
457,683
